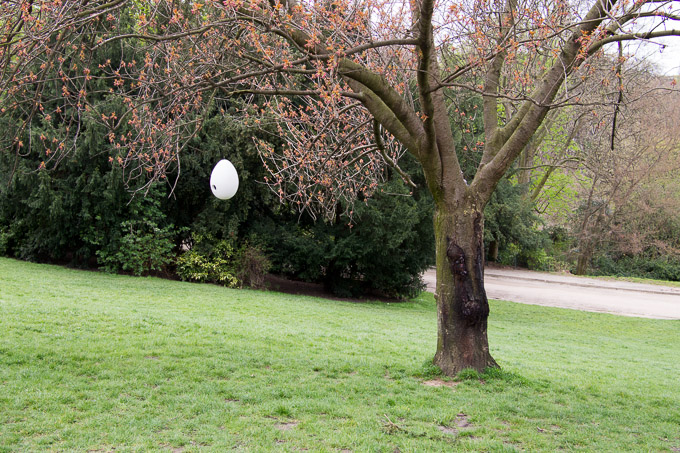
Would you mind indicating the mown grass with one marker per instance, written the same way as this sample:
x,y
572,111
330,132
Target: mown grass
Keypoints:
x,y
649,281
91,361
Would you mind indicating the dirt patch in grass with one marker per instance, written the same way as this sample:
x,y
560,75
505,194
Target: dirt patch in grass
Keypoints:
x,y
462,421
286,426
447,430
440,383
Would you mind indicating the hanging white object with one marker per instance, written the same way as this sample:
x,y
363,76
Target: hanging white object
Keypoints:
x,y
224,180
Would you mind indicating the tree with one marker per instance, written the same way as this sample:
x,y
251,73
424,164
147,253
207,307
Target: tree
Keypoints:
x,y
352,86
626,152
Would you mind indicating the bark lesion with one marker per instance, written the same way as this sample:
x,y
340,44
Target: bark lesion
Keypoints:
x,y
469,305
456,256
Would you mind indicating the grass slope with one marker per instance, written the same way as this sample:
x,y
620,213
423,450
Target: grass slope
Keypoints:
x,y
91,361
648,281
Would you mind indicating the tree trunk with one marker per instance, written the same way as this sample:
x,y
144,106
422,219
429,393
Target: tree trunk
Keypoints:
x,y
526,160
462,306
584,257
493,251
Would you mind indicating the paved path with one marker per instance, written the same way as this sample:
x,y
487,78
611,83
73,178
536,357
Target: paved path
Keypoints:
x,y
579,293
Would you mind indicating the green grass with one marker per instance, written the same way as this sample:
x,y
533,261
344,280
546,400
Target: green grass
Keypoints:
x,y
91,361
649,281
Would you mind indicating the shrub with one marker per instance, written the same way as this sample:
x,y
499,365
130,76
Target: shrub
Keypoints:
x,y
78,213
539,260
383,249
4,242
660,267
511,223
252,266
143,248
209,263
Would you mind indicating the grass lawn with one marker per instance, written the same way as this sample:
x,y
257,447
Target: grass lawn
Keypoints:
x,y
649,281
90,361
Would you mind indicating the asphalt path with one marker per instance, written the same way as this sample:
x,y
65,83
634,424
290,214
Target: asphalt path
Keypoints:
x,y
578,293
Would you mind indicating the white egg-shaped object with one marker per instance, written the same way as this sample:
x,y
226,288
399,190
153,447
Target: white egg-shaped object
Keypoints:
x,y
224,180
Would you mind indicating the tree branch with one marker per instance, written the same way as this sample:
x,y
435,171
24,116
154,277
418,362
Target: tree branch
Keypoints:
x,y
381,147
491,82
531,115
597,45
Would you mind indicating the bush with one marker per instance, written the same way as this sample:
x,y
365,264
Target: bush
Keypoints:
x,y
510,222
143,248
78,215
659,268
217,261
382,250
209,261
508,254
4,242
252,266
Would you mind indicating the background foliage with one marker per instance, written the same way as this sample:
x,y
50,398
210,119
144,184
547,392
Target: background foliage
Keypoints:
x,y
83,214
84,210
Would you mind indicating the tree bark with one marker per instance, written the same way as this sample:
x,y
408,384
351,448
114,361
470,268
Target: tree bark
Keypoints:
x,y
493,251
462,305
584,257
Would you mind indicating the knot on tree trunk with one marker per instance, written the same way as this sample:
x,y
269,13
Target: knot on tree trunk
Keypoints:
x,y
468,306
456,257
471,310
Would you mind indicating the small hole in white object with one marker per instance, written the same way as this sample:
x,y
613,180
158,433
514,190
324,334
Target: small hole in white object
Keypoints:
x,y
214,187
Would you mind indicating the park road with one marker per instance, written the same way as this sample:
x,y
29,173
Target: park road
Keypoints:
x,y
578,293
